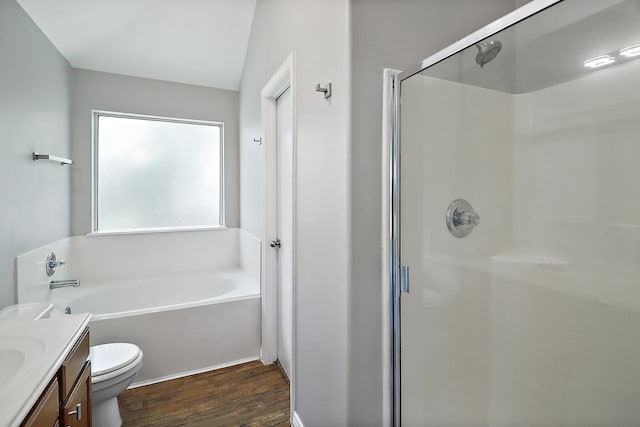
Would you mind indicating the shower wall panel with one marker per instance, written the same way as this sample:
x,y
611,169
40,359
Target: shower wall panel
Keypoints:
x,y
540,301
565,319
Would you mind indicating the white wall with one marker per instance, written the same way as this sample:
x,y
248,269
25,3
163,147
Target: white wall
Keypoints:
x,y
386,34
94,90
318,34
35,84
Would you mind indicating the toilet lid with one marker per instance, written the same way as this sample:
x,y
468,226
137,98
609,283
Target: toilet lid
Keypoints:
x,y
110,357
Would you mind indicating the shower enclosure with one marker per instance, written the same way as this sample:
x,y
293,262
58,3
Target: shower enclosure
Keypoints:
x,y
515,267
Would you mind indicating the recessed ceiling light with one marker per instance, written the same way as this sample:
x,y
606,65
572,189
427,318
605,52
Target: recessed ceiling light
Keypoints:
x,y
630,51
599,61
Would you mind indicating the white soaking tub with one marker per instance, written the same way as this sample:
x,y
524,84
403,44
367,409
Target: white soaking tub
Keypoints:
x,y
184,323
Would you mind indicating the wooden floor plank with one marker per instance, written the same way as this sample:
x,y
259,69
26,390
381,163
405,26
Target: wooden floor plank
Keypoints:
x,y
250,394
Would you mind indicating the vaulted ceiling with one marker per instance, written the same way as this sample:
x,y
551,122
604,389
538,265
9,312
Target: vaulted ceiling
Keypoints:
x,y
201,42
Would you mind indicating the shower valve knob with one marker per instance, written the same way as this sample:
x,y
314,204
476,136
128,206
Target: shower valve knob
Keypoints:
x,y
470,218
461,218
51,263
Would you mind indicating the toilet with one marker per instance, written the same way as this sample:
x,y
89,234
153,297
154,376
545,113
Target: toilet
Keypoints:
x,y
113,368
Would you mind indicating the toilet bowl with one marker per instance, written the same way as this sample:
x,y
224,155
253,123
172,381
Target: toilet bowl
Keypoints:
x,y
113,368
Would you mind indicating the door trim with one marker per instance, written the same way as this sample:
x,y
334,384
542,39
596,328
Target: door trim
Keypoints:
x,y
282,79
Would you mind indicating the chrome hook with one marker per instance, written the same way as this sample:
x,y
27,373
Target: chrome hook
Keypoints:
x,y
326,90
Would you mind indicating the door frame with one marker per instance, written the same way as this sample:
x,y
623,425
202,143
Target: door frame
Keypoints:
x,y
281,80
389,363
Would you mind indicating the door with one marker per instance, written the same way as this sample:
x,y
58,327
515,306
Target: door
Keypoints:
x,y
284,195
520,225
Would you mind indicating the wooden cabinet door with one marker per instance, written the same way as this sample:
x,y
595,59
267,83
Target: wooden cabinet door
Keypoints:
x,y
73,364
76,411
45,412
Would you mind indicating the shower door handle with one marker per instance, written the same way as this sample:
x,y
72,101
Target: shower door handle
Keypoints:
x,y
404,279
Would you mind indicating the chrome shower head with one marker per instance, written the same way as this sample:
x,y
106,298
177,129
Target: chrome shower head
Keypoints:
x,y
487,51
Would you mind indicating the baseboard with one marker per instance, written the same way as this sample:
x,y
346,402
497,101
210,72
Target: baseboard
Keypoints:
x,y
195,371
295,420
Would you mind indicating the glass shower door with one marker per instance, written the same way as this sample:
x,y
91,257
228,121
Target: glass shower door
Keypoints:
x,y
520,226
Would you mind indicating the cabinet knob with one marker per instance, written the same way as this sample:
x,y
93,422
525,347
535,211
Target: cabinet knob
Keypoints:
x,y
77,412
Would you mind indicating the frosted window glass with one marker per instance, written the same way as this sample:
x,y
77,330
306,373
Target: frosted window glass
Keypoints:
x,y
157,174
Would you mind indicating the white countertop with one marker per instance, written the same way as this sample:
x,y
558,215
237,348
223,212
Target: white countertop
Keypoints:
x,y
36,349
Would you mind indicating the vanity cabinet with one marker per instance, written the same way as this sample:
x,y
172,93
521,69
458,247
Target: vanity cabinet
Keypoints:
x,y
66,402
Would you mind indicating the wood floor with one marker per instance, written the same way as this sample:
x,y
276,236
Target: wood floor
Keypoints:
x,y
250,394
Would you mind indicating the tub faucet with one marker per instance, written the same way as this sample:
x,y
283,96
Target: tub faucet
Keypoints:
x,y
55,284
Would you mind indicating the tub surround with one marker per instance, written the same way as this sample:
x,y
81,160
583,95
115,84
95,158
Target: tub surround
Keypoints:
x,y
44,344
32,282
190,300
111,258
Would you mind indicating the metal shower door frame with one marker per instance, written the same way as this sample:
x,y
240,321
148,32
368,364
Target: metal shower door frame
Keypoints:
x,y
489,30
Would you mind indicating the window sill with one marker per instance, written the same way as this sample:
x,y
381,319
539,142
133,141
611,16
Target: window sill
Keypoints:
x,y
155,230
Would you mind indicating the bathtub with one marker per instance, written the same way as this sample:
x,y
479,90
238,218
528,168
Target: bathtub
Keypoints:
x,y
184,323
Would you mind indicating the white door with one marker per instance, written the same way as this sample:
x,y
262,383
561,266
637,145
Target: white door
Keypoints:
x,y
284,160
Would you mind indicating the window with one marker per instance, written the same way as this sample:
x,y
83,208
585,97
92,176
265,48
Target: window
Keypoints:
x,y
155,173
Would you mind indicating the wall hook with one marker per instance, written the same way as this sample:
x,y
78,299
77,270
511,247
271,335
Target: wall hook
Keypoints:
x,y
326,90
